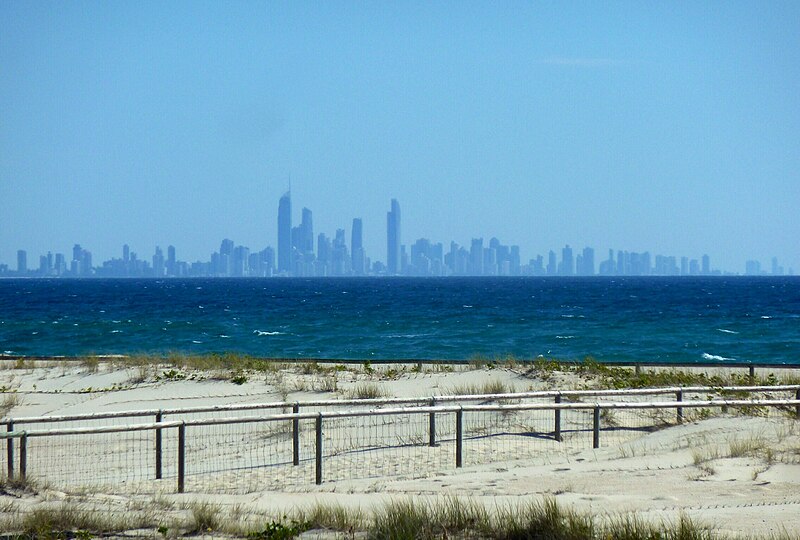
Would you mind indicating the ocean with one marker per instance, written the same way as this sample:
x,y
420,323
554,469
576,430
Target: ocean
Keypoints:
x,y
651,319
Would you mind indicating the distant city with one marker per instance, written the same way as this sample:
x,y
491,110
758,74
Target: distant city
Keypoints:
x,y
296,257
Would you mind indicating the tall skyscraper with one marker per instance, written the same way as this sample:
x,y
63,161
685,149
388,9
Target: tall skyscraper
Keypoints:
x,y
307,235
357,246
171,261
285,233
567,262
158,263
587,262
393,239
22,261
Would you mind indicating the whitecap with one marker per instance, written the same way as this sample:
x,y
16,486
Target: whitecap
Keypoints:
x,y
726,331
766,317
466,306
565,337
568,316
116,331
224,336
707,356
195,341
34,333
262,333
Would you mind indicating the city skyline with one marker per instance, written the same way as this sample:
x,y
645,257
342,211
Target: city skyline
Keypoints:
x,y
669,128
296,256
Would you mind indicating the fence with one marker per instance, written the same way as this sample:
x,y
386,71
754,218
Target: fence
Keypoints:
x,y
290,451
159,415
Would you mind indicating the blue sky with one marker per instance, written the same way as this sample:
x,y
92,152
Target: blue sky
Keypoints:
x,y
672,127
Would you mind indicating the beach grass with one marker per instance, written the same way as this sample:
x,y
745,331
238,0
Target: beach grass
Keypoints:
x,y
401,519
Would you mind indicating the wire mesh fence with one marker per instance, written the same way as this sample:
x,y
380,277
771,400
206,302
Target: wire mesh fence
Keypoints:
x,y
290,452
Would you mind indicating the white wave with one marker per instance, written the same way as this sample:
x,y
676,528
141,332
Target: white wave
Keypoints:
x,y
565,337
726,331
224,336
766,317
466,306
262,333
116,331
568,316
707,356
195,341
34,333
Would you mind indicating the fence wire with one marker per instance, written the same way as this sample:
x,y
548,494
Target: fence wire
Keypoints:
x,y
122,461
243,457
383,446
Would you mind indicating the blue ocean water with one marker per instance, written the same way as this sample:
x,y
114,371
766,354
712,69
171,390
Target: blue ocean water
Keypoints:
x,y
612,319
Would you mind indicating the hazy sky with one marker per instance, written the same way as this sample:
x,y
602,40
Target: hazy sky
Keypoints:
x,y
672,127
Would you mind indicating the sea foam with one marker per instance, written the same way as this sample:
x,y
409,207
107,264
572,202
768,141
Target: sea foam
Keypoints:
x,y
716,358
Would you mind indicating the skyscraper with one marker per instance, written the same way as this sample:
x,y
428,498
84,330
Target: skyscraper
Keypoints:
x,y
357,246
567,262
393,239
285,233
307,236
22,261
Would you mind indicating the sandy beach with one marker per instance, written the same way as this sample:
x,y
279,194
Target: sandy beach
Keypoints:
x,y
736,474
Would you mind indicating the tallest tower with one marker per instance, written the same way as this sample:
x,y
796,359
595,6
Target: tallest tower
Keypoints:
x,y
393,239
285,233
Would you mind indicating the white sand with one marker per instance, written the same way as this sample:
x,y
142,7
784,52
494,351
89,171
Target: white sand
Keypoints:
x,y
692,469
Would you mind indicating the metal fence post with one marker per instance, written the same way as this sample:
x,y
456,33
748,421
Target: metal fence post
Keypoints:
x,y
296,436
459,437
319,450
679,397
752,374
10,450
797,397
557,411
159,417
596,428
181,456
432,426
23,457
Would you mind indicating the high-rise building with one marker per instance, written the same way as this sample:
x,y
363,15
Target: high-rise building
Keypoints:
x,y
285,233
393,239
22,261
706,265
567,262
587,262
552,268
158,263
307,236
359,258
476,257
172,268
